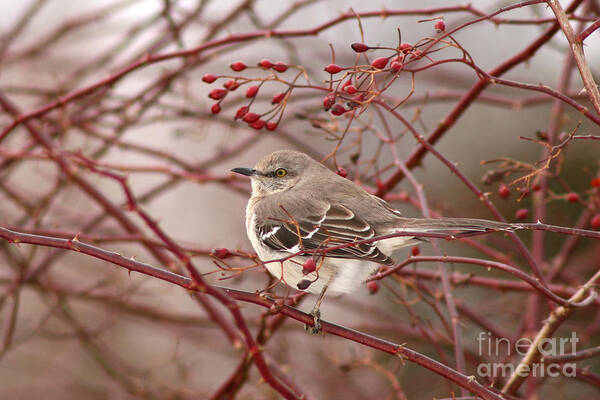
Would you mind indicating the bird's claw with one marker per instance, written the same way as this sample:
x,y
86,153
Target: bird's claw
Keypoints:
x,y
316,328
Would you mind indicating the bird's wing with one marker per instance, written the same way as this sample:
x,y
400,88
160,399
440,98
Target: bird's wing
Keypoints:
x,y
333,226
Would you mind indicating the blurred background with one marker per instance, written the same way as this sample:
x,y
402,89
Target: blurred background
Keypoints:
x,y
78,327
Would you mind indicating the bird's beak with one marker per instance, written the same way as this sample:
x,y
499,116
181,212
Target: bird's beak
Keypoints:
x,y
244,171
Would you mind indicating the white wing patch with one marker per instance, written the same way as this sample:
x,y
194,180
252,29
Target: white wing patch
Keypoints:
x,y
271,233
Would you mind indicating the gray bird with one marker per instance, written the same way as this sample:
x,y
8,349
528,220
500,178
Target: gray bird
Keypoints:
x,y
300,210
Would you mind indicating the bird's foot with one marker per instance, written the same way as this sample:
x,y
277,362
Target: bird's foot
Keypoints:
x,y
316,328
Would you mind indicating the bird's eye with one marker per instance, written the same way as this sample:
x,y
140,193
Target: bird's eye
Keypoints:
x,y
280,172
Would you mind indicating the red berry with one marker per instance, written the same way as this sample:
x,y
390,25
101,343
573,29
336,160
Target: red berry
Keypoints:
x,y
338,109
440,26
251,117
380,62
209,78
396,66
503,191
251,91
231,85
572,197
277,98
415,250
521,214
595,182
258,124
405,47
358,98
215,109
280,66
328,101
266,64
373,286
417,54
359,47
596,221
309,266
271,126
243,110
217,94
536,187
238,66
379,183
341,171
333,68
221,253
350,89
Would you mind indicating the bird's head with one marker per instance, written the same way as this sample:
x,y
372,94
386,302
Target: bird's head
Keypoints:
x,y
278,171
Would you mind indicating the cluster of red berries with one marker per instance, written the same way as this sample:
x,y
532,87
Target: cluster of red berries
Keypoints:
x,y
571,197
396,64
252,119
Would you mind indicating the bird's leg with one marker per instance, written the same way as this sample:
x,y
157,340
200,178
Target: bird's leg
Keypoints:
x,y
316,314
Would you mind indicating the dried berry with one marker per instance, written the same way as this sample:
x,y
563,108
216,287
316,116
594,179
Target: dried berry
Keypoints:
x,y
231,85
503,191
309,266
251,91
280,66
341,171
405,47
265,64
243,110
258,124
350,89
238,66
209,78
373,286
359,47
277,98
221,253
396,66
380,62
217,94
251,117
596,221
328,101
303,284
440,26
521,214
338,109
333,68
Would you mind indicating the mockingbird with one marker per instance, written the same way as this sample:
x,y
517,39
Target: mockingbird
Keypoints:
x,y
317,231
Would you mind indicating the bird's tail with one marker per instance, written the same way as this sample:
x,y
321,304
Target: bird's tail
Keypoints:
x,y
454,225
